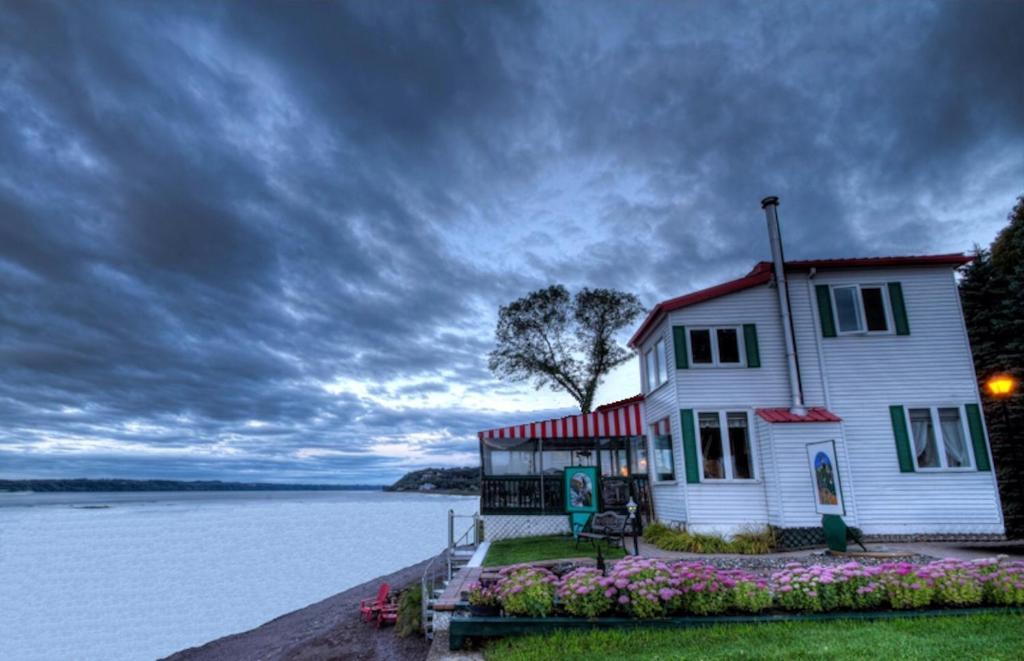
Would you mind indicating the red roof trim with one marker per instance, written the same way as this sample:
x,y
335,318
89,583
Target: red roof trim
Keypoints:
x,y
622,402
762,274
759,276
785,415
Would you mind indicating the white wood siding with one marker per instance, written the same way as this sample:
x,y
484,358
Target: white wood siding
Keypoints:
x,y
791,490
867,374
669,497
729,506
701,387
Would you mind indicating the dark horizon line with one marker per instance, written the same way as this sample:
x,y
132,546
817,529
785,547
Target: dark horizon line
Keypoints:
x,y
146,484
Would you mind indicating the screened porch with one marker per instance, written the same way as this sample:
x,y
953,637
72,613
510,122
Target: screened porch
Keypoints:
x,y
522,464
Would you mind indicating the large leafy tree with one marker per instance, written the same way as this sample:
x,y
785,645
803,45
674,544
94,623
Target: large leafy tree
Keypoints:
x,y
563,342
992,291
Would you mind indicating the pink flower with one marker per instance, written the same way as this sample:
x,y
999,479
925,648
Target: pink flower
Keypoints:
x,y
623,599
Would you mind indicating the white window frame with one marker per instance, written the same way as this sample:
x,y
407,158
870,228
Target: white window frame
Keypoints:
x,y
886,305
723,421
649,359
940,441
713,331
653,472
660,366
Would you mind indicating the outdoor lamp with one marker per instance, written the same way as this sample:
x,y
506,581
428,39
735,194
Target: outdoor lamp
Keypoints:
x,y
1001,385
631,506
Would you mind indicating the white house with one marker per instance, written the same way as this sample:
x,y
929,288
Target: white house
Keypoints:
x,y
828,386
876,360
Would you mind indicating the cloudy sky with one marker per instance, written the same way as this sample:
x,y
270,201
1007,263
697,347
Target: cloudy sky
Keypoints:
x,y
259,241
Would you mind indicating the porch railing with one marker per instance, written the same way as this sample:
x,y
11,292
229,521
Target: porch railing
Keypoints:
x,y
521,495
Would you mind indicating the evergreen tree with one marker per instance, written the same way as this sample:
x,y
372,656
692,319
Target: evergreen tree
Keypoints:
x,y
992,291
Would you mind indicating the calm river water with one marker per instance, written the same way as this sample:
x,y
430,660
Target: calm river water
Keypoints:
x,y
140,575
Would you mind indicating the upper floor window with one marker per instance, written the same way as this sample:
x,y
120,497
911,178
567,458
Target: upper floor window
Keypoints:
x,y
939,437
656,365
725,445
719,346
861,308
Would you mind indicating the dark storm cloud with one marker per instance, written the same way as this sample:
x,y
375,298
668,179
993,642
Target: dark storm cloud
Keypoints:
x,y
268,241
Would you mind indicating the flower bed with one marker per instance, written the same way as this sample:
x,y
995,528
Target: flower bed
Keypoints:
x,y
639,589
644,588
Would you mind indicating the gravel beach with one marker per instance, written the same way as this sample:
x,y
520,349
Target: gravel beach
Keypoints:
x,y
329,629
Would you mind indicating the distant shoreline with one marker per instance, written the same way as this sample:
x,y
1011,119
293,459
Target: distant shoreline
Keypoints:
x,y
439,492
100,485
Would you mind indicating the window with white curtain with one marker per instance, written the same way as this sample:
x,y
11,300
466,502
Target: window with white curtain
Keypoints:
x,y
939,436
725,456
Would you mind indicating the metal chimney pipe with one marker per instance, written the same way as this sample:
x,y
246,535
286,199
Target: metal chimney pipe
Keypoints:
x,y
770,206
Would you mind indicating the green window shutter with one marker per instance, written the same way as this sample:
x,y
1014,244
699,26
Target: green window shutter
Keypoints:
x,y
689,446
828,322
899,310
978,437
679,341
899,430
750,340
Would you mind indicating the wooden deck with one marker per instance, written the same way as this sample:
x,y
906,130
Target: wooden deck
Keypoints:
x,y
457,588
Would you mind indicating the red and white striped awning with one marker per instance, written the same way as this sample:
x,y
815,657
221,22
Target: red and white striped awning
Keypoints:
x,y
625,418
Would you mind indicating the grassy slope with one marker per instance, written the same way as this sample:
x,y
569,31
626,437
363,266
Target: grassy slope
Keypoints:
x,y
527,549
948,638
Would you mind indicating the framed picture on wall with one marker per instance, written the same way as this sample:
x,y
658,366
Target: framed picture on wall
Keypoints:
x,y
828,492
581,489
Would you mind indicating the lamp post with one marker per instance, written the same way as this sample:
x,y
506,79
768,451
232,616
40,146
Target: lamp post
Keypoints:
x,y
1002,387
631,506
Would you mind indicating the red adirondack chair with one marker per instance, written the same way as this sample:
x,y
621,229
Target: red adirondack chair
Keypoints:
x,y
371,608
388,614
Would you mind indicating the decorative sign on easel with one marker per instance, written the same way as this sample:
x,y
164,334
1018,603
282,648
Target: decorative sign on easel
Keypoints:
x,y
828,492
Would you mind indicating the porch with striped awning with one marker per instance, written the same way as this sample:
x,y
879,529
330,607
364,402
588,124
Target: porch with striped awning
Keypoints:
x,y
623,418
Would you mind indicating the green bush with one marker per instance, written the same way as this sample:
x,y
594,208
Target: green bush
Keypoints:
x,y
585,592
750,542
525,590
410,612
751,597
753,541
908,590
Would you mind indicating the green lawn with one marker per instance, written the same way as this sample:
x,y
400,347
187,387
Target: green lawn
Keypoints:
x,y
549,547
947,638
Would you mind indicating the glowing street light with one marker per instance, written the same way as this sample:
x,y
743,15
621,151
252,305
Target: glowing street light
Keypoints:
x,y
1001,386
